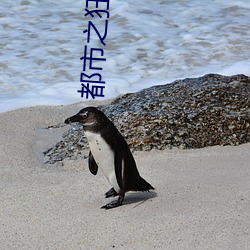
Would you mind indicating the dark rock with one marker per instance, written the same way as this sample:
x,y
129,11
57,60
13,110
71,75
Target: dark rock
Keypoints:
x,y
190,113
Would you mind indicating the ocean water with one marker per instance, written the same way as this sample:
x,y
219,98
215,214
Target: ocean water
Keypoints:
x,y
148,43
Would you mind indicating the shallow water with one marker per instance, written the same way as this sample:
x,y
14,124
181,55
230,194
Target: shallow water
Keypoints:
x,y
146,44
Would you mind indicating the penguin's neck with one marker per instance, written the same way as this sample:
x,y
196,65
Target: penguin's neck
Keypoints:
x,y
93,128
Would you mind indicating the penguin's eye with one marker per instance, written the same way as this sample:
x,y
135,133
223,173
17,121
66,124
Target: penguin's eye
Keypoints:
x,y
84,115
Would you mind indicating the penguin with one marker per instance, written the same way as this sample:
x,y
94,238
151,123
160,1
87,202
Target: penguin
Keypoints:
x,y
110,152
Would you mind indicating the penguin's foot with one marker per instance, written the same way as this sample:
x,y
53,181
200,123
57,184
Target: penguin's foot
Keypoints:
x,y
113,204
111,193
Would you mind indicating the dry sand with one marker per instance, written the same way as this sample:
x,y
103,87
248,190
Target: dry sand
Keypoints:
x,y
201,201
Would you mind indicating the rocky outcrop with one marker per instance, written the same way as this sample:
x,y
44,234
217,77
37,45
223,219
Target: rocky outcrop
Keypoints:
x,y
190,113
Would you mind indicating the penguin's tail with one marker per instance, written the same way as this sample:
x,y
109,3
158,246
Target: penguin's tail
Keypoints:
x,y
141,185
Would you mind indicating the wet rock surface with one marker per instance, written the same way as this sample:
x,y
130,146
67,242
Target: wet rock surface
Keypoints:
x,y
190,113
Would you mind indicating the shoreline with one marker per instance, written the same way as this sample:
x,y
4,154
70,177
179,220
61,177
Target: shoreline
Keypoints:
x,y
201,198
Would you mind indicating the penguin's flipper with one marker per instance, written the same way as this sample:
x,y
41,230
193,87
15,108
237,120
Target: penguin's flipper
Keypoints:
x,y
93,167
111,193
115,203
118,166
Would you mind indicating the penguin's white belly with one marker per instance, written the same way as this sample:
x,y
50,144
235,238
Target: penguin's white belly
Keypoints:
x,y
104,157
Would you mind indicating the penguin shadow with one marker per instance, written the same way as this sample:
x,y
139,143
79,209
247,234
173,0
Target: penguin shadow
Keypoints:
x,y
137,198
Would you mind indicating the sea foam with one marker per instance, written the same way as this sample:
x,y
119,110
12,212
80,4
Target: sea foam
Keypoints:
x,y
148,43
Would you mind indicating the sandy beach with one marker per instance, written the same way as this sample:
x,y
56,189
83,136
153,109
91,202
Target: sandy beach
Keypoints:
x,y
201,198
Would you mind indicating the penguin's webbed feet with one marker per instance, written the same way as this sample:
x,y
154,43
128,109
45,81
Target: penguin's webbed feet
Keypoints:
x,y
113,204
111,193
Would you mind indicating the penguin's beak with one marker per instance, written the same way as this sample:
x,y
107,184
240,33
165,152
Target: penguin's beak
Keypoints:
x,y
74,118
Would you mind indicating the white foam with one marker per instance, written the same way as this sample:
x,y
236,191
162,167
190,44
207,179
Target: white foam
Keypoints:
x,y
242,67
147,44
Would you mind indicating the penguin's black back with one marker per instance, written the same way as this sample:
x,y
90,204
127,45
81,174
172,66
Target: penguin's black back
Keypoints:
x,y
132,180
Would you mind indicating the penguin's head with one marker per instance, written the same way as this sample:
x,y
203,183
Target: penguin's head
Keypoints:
x,y
88,117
